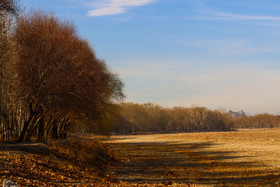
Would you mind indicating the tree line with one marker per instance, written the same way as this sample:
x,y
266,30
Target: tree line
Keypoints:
x,y
257,121
50,77
135,118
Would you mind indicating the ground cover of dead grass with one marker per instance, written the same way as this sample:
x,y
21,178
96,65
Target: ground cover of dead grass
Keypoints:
x,y
72,162
247,157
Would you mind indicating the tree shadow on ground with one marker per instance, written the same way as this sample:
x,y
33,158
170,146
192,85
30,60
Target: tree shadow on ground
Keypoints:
x,y
33,148
187,163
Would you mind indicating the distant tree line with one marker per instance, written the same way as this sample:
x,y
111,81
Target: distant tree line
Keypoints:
x,y
257,121
50,77
135,118
140,118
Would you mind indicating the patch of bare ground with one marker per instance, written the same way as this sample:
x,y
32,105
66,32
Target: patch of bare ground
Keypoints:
x,y
239,158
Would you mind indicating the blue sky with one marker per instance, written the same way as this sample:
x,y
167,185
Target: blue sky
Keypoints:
x,y
212,53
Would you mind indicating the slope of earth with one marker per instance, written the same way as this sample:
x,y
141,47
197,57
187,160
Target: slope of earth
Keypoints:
x,y
243,157
70,162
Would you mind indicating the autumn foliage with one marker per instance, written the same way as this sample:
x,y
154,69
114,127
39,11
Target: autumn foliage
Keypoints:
x,y
135,118
59,80
257,121
151,118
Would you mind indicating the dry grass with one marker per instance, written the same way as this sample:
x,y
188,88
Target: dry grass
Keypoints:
x,y
63,163
244,157
239,158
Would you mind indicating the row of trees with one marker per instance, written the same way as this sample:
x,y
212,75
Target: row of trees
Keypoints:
x,y
149,117
50,78
257,121
135,118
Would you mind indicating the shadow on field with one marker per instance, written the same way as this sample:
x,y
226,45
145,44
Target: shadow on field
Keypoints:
x,y
188,163
33,148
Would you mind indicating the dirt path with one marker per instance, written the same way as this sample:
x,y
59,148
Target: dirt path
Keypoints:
x,y
209,159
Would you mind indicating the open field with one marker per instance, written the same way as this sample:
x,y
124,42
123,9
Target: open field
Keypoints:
x,y
243,157
237,158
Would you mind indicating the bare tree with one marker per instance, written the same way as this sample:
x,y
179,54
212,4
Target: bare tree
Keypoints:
x,y
61,79
9,11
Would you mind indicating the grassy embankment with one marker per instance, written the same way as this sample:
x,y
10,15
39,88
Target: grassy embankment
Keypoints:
x,y
70,162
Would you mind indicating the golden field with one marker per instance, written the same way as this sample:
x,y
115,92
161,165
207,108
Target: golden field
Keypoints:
x,y
247,157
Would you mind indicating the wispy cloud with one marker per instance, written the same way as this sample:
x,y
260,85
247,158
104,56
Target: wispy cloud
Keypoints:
x,y
237,17
234,47
112,7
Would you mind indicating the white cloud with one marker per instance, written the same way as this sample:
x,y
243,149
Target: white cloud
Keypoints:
x,y
237,17
112,7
